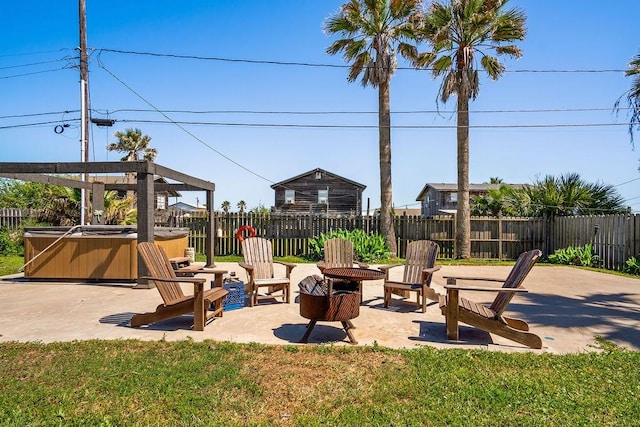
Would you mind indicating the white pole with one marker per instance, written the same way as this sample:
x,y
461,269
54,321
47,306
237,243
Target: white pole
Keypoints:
x,y
83,145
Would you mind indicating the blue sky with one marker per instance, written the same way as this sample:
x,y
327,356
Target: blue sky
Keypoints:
x,y
575,128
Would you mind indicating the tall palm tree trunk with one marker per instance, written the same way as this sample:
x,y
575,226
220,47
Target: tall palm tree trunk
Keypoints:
x,y
463,217
384,129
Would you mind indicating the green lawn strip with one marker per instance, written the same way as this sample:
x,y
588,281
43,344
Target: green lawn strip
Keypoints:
x,y
209,383
10,264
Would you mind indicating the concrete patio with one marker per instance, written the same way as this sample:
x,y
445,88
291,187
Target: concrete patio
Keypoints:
x,y
567,307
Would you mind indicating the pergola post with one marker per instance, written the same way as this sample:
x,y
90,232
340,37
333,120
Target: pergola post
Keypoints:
x,y
209,242
97,202
145,204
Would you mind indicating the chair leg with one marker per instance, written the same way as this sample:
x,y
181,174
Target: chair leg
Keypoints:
x,y
452,314
516,323
527,338
253,300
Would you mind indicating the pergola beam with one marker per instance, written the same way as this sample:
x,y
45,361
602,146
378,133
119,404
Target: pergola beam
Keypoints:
x,y
145,172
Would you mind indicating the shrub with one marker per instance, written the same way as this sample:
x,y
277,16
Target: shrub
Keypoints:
x,y
10,242
579,255
366,248
632,266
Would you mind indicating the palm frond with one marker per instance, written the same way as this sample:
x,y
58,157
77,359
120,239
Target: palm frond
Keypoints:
x,y
510,50
492,66
442,65
357,66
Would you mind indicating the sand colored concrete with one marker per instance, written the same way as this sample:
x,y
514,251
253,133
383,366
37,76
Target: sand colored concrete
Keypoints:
x,y
566,306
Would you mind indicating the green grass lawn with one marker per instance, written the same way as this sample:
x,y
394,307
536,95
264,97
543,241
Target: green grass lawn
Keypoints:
x,y
190,383
10,264
136,383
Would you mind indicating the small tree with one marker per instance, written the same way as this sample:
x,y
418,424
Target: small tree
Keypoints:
x,y
261,210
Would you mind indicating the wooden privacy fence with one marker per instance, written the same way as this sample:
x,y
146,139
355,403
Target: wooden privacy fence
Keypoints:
x,y
12,218
501,238
616,238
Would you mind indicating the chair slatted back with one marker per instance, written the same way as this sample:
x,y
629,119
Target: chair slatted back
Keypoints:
x,y
338,253
518,273
421,254
158,265
257,252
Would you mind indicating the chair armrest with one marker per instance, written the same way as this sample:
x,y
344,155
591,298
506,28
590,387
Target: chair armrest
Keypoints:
x,y
361,264
288,265
177,279
321,265
386,268
247,267
484,279
389,267
431,270
481,288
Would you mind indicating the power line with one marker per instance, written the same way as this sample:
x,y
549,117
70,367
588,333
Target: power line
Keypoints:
x,y
290,112
34,63
320,65
33,73
19,116
182,127
34,53
374,126
35,124
627,182
335,126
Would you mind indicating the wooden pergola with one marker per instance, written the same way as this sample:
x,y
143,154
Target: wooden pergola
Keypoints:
x,y
145,188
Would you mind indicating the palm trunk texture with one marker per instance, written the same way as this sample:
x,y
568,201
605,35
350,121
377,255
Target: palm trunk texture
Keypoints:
x,y
384,129
463,217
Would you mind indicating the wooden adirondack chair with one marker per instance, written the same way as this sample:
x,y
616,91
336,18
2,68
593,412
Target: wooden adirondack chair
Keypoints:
x,y
490,318
258,262
338,253
419,267
176,303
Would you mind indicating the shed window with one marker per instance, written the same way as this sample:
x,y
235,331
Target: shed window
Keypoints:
x,y
323,197
453,197
289,197
318,175
160,202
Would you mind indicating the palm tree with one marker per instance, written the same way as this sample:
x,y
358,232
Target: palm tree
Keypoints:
x,y
63,210
371,32
134,145
496,201
569,194
226,205
632,95
242,205
460,32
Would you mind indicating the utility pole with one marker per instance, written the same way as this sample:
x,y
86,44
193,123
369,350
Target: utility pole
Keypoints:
x,y
84,110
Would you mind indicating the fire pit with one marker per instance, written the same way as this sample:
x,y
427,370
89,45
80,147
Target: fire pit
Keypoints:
x,y
327,301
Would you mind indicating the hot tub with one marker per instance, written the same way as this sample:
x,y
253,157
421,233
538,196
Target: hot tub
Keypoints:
x,y
93,252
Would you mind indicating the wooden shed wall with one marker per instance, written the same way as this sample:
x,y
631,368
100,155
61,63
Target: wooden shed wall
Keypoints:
x,y
344,197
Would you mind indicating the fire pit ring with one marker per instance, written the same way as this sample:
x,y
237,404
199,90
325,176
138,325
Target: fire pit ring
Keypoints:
x,y
320,301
